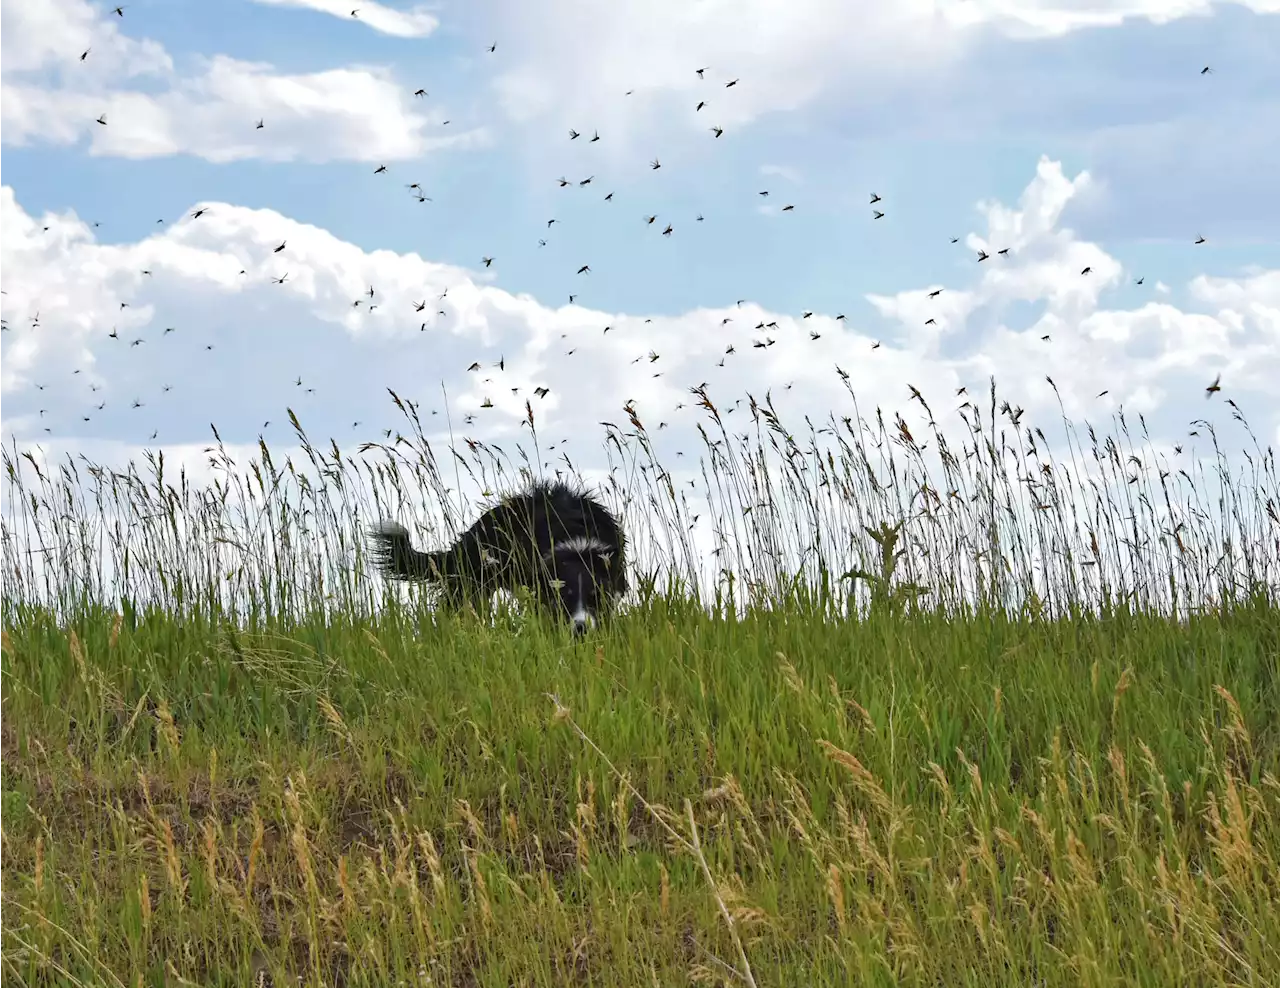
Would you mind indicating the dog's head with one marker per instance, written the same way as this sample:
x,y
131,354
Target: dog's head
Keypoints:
x,y
581,579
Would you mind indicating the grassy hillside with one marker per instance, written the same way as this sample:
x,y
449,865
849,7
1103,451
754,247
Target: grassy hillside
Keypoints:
x,y
913,801
805,788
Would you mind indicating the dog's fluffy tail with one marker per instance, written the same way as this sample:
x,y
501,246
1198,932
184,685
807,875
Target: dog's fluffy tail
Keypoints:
x,y
393,553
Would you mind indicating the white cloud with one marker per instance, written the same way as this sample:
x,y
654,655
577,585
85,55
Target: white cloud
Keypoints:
x,y
1253,299
417,22
1038,19
1043,264
39,34
1151,358
50,95
348,113
786,172
576,61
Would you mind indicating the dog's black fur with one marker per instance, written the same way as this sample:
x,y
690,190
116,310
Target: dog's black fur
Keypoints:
x,y
556,540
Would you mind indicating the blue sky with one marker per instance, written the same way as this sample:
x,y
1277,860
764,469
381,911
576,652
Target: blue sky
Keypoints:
x,y
952,112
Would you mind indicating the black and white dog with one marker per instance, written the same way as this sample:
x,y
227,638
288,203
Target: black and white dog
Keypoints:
x,y
557,541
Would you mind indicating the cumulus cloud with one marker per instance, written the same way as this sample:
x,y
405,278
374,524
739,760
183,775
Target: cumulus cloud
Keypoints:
x,y
581,60
426,324
1028,258
42,34
578,61
48,94
417,22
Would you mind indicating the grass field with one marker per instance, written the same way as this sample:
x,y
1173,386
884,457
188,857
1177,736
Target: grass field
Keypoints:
x,y
842,754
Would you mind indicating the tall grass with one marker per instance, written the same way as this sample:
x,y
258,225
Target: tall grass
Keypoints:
x,y
1001,521
889,705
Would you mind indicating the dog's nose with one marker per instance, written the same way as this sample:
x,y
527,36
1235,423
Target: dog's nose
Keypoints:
x,y
581,620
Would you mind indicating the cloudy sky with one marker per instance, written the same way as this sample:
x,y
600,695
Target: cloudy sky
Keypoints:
x,y
215,211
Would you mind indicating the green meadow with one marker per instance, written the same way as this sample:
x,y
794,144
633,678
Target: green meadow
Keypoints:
x,y
984,714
